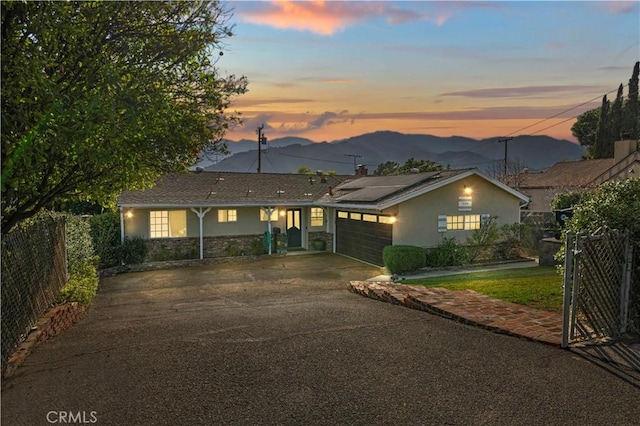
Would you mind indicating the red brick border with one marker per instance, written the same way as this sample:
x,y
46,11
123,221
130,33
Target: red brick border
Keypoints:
x,y
56,321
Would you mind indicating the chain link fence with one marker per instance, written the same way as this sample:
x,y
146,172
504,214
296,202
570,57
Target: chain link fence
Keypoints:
x,y
34,270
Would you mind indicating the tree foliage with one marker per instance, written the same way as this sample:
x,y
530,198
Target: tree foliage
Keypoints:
x,y
584,129
613,204
412,165
102,96
598,129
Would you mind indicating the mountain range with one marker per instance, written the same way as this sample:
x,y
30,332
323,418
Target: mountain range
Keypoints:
x,y
287,155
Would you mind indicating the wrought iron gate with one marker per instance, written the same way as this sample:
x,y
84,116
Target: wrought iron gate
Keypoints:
x,y
597,278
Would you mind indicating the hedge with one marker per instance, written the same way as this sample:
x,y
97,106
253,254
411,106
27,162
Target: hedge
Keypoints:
x,y
398,259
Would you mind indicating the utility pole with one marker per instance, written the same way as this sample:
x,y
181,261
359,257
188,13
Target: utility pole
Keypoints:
x,y
262,140
506,141
355,157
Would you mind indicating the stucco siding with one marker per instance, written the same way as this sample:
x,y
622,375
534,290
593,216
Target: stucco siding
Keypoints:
x,y
417,219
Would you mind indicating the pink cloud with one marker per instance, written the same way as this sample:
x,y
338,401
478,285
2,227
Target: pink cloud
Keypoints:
x,y
326,18
619,7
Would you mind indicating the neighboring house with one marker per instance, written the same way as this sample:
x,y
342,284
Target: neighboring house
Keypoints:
x,y
574,175
208,212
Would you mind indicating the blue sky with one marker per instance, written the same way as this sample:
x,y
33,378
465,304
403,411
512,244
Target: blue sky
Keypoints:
x,y
331,70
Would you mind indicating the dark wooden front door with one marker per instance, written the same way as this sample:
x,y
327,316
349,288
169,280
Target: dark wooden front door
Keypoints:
x,y
294,228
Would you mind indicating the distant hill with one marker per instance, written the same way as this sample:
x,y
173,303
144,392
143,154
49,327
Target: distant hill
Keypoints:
x,y
286,155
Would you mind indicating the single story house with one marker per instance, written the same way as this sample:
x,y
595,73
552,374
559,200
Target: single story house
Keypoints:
x,y
568,176
211,214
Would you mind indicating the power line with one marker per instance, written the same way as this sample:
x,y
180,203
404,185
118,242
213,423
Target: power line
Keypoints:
x,y
558,114
313,159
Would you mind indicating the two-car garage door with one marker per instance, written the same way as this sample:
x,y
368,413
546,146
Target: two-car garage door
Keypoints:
x,y
363,236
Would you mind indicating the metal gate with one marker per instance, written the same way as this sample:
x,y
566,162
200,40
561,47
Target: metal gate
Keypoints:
x,y
597,278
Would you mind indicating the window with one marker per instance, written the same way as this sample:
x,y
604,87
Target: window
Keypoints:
x,y
369,217
356,216
460,222
386,219
168,224
274,215
317,216
343,215
230,215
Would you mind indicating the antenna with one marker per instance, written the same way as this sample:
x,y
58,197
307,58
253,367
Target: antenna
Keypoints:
x,y
355,157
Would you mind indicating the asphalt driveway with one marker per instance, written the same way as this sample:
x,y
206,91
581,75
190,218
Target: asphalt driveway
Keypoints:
x,y
282,341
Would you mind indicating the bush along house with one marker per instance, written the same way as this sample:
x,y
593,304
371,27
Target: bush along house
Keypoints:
x,y
217,214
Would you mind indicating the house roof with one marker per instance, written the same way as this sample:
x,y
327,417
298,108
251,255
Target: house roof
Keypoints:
x,y
381,192
229,188
568,174
203,189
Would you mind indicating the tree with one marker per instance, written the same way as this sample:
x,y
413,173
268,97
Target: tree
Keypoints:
x,y
102,96
387,168
584,129
304,170
603,147
631,111
410,166
615,118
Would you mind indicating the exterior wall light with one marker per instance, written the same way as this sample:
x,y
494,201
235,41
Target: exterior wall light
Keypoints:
x,y
129,214
467,190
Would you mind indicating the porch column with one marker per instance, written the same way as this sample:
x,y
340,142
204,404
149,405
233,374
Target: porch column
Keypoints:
x,y
201,215
268,211
121,225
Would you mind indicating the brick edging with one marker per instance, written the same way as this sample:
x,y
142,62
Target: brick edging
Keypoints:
x,y
56,321
411,297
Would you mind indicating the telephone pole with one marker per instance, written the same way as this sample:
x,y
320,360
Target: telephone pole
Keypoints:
x,y
355,157
262,140
506,141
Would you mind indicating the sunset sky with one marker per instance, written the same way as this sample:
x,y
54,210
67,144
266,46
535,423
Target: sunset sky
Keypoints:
x,y
334,69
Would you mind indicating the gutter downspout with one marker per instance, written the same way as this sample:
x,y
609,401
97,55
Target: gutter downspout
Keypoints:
x,y
201,215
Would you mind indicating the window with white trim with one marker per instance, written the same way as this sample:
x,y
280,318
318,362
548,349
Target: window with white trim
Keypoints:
x,y
227,215
273,218
168,223
467,222
317,216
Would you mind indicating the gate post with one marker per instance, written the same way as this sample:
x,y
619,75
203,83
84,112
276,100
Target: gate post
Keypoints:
x,y
568,272
626,285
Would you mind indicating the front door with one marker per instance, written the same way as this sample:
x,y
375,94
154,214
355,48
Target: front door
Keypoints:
x,y
294,230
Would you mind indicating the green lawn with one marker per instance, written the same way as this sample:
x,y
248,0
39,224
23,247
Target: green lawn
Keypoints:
x,y
538,287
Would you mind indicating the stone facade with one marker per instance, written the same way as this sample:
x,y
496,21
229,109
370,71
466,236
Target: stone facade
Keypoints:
x,y
165,249
321,235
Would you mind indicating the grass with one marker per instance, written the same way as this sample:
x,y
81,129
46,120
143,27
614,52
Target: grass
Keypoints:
x,y
539,287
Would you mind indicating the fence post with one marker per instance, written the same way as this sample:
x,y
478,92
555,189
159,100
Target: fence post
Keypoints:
x,y
568,272
626,285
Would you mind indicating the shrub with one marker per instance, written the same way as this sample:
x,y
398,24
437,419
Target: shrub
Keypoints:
x,y
82,285
134,250
105,232
448,253
81,258
257,247
511,236
398,259
482,240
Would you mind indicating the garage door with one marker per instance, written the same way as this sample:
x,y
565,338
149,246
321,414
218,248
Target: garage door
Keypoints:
x,y
363,236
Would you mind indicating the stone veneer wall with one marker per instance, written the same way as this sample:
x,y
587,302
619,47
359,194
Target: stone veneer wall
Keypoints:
x,y
189,248
321,235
